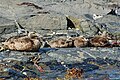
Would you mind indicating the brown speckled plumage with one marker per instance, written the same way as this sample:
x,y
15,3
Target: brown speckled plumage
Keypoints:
x,y
80,42
30,42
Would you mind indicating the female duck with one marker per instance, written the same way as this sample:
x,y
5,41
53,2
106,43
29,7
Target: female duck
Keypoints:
x,y
80,41
100,40
60,43
30,42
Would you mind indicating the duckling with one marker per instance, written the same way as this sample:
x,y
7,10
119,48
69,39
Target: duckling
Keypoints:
x,y
30,42
100,40
60,43
80,41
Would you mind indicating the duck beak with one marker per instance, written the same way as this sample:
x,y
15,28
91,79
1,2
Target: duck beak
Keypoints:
x,y
38,35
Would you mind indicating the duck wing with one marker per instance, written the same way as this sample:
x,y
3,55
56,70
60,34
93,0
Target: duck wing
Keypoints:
x,y
99,41
23,44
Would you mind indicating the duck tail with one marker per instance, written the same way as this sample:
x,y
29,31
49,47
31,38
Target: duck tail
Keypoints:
x,y
43,44
46,44
2,48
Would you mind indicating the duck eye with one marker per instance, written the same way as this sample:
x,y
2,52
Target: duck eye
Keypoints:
x,y
33,33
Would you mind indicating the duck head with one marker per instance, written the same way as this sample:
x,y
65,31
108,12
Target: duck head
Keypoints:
x,y
34,35
106,35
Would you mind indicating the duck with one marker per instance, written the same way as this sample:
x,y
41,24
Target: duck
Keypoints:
x,y
60,43
30,42
100,40
80,41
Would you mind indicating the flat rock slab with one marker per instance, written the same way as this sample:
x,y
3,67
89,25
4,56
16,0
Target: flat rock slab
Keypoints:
x,y
69,55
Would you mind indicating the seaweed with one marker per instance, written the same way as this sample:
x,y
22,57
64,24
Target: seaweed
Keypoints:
x,y
30,4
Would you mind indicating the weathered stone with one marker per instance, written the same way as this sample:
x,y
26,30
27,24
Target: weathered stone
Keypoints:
x,y
110,23
46,21
56,62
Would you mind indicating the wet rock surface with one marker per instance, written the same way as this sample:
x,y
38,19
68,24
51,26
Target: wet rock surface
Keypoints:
x,y
97,63
48,17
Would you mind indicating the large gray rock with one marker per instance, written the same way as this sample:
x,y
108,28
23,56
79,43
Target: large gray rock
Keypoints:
x,y
110,23
6,27
44,21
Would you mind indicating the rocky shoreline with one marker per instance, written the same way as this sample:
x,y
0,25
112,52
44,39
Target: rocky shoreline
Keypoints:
x,y
52,19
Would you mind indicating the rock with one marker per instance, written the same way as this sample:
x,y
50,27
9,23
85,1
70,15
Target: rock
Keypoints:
x,y
70,56
6,26
110,23
66,56
89,28
52,19
44,21
29,17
